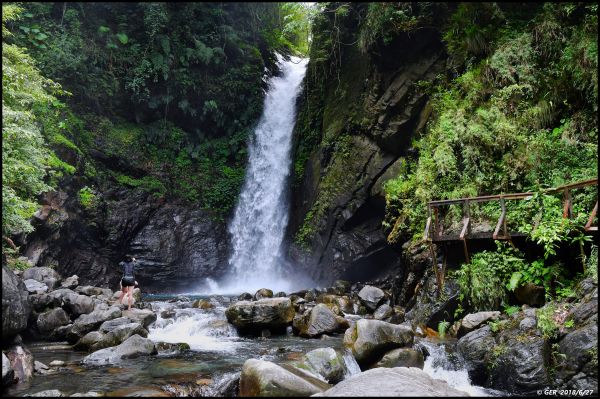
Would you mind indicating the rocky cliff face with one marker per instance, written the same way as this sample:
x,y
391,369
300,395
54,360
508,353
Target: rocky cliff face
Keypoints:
x,y
177,247
365,115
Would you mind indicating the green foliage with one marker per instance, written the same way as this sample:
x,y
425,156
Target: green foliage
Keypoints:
x,y
482,282
510,310
25,155
442,328
149,184
87,198
591,268
515,119
472,30
546,322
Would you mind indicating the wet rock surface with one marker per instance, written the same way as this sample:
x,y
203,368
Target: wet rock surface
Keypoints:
x,y
399,381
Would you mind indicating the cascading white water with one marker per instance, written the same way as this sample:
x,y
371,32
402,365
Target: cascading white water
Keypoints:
x,y
202,330
440,367
261,215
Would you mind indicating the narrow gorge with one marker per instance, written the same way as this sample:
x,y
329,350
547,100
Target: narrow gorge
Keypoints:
x,y
322,199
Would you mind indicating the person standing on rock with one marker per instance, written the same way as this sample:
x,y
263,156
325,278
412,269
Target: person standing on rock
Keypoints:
x,y
128,280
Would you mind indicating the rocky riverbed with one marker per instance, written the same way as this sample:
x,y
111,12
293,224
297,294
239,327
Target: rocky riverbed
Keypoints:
x,y
348,338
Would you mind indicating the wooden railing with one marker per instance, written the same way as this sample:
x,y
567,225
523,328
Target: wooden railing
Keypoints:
x,y
434,230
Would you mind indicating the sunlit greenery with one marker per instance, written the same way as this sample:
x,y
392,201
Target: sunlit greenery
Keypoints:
x,y
26,157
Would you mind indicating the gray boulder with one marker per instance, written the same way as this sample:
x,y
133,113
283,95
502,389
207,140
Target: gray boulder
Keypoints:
x,y
319,320
118,335
89,339
263,293
52,319
245,296
91,321
473,347
325,362
402,357
40,302
369,340
144,316
40,368
273,314
89,290
35,287
44,275
383,312
371,296
110,325
70,282
134,346
399,381
77,304
519,365
15,305
580,349
475,320
262,378
21,361
8,374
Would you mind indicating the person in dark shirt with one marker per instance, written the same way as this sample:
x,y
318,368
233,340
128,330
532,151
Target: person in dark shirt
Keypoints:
x,y
128,279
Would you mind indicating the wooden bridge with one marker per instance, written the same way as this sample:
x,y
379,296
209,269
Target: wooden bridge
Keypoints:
x,y
434,228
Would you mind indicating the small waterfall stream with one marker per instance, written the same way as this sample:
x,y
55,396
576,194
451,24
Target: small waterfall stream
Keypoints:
x,y
261,215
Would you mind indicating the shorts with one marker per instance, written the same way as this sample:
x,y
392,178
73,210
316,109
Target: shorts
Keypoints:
x,y
127,282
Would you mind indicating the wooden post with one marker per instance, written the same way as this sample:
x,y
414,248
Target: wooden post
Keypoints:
x,y
588,225
568,208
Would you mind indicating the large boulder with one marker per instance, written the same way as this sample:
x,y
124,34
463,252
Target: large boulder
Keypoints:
x,y
399,381
402,357
325,362
39,302
578,368
44,275
531,294
89,339
369,340
78,304
144,316
118,335
35,287
319,320
15,305
88,322
134,346
473,348
21,361
371,296
262,378
263,293
8,374
52,319
473,321
383,312
520,363
274,314
89,290
70,282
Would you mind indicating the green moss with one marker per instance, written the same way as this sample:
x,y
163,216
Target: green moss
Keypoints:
x,y
87,198
148,183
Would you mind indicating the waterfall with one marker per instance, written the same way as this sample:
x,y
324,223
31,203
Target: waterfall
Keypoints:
x,y
261,215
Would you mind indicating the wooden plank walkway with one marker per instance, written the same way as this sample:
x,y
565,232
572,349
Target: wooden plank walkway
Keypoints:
x,y
434,230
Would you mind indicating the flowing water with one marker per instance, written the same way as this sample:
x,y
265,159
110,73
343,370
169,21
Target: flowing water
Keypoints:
x,y
217,355
441,365
261,215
